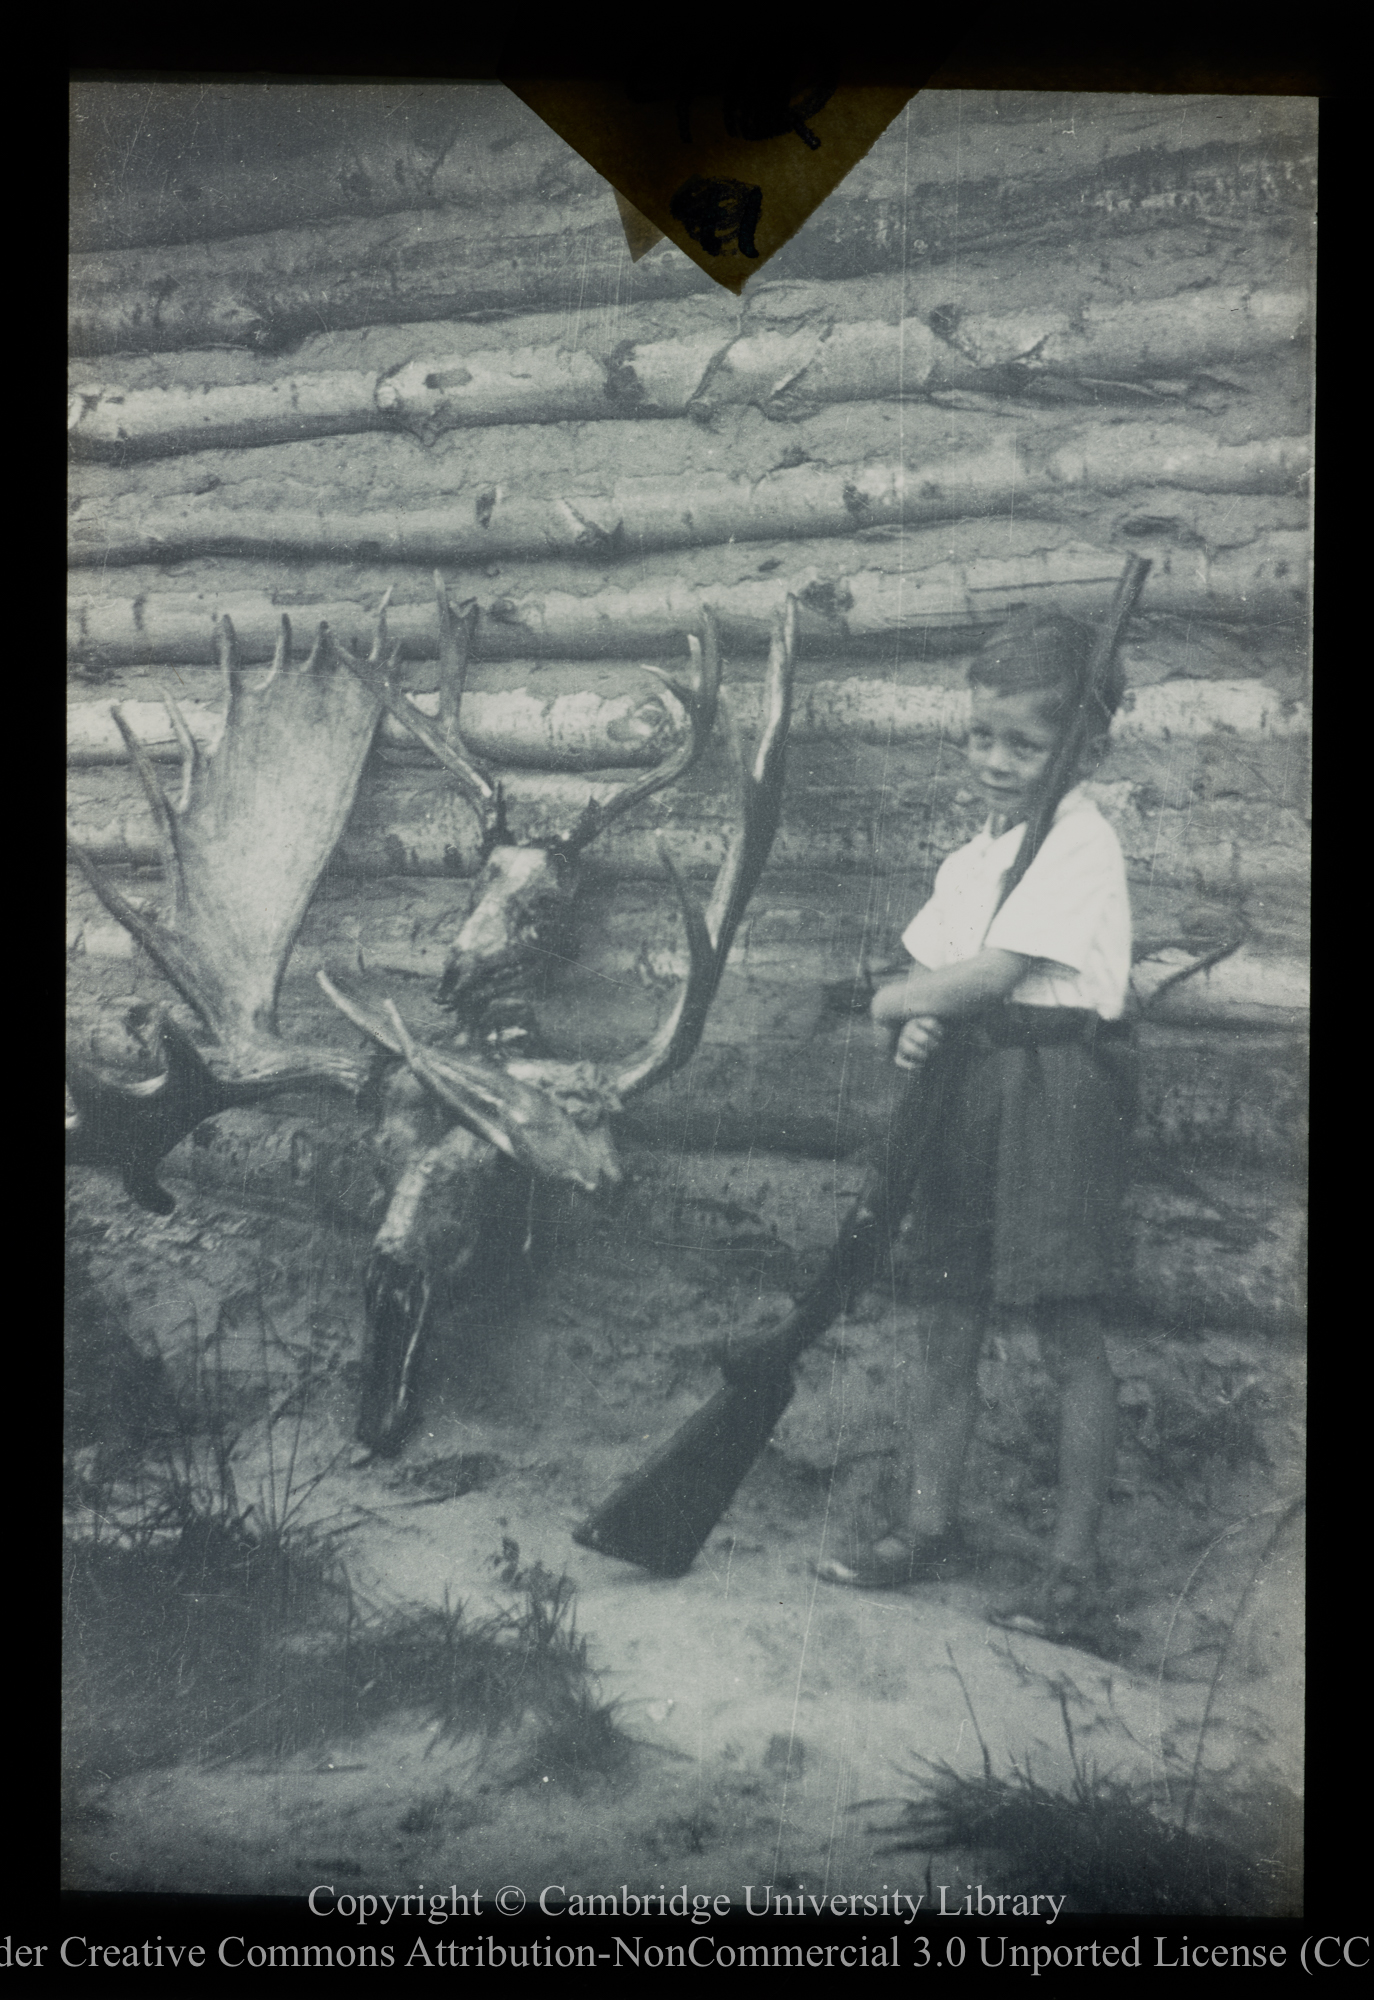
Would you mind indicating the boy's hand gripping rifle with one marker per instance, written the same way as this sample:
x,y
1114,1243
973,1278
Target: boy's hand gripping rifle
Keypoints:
x,y
661,1515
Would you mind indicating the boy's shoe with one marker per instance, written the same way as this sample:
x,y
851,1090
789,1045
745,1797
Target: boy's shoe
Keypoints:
x,y
1068,1606
892,1564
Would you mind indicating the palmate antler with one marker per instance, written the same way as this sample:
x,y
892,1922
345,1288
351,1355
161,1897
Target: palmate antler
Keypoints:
x,y
548,1118
243,847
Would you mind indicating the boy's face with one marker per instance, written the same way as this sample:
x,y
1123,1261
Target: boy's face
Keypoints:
x,y
1011,739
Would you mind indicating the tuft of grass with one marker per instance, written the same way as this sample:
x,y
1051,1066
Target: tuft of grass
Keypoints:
x,y
198,1626
1100,1842
522,1668
582,1742
220,1644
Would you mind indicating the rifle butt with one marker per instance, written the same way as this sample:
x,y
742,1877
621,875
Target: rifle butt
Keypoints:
x,y
661,1516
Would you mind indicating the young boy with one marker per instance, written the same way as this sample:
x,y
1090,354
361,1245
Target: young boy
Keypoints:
x,y
1017,1204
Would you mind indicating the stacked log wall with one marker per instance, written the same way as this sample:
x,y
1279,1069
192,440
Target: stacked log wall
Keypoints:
x,y
948,397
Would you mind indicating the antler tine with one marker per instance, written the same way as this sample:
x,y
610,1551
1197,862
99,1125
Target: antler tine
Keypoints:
x,y
469,1096
699,703
760,788
403,1034
152,787
473,782
159,943
461,1102
359,1016
710,937
281,652
230,663
228,640
324,647
191,760
676,1038
705,654
455,650
478,789
378,652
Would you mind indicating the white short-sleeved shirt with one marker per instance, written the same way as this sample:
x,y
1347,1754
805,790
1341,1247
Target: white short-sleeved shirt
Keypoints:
x,y
1070,912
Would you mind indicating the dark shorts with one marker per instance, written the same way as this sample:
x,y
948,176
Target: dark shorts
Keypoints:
x,y
1019,1200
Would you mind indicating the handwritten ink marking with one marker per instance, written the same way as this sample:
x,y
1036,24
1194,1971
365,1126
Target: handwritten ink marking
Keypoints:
x,y
720,215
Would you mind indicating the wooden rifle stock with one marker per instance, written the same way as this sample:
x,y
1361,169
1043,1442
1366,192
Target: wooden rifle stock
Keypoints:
x,y
660,1516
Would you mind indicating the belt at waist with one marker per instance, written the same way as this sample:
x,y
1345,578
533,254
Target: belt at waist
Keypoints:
x,y
1018,1027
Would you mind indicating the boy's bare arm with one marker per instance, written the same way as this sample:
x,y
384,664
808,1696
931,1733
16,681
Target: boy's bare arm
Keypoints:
x,y
954,990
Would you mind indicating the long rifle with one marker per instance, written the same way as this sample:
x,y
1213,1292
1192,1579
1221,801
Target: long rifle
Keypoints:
x,y
660,1516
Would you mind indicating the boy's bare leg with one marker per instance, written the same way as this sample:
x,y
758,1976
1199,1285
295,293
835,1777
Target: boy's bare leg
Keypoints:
x,y
939,1402
1076,1351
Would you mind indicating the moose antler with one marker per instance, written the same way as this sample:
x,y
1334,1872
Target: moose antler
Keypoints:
x,y
760,808
524,1123
522,908
698,698
243,846
445,743
510,1104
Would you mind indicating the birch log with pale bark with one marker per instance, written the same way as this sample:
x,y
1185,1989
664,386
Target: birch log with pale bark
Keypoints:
x,y
567,731
979,450
863,817
920,591
494,523
576,728
833,360
774,1001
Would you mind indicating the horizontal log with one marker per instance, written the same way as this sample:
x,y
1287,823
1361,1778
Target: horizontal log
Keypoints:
x,y
572,731
807,926
636,514
1222,1071
234,160
601,1008
1130,282
891,819
476,475
713,513
880,771
104,420
268,291
1247,990
783,371
813,1099
582,728
265,291
1155,649
1227,1082
1227,1252
918,592
163,164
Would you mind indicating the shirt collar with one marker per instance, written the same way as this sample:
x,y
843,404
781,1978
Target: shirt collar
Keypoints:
x,y
1073,801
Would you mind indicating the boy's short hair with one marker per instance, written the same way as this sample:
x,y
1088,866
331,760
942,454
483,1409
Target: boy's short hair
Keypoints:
x,y
1047,653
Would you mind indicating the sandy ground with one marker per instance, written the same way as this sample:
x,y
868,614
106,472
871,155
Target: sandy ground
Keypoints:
x,y
776,1724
